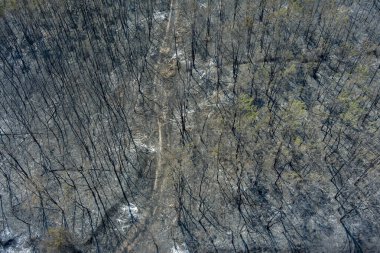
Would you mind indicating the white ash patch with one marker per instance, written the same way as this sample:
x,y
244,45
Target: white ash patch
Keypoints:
x,y
178,54
160,16
14,243
129,214
179,248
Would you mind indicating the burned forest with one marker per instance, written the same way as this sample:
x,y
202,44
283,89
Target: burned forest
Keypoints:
x,y
186,126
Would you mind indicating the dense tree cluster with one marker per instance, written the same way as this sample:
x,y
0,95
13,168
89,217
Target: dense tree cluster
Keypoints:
x,y
197,125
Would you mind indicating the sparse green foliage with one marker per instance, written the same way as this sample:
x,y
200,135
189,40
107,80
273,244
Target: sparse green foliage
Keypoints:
x,y
7,5
295,114
291,70
352,110
225,125
248,109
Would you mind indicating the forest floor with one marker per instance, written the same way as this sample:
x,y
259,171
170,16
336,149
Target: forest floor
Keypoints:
x,y
154,232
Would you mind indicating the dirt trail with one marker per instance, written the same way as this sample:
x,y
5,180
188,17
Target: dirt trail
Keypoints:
x,y
152,233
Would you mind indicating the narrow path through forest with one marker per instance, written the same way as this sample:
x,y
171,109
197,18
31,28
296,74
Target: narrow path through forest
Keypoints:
x,y
149,235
